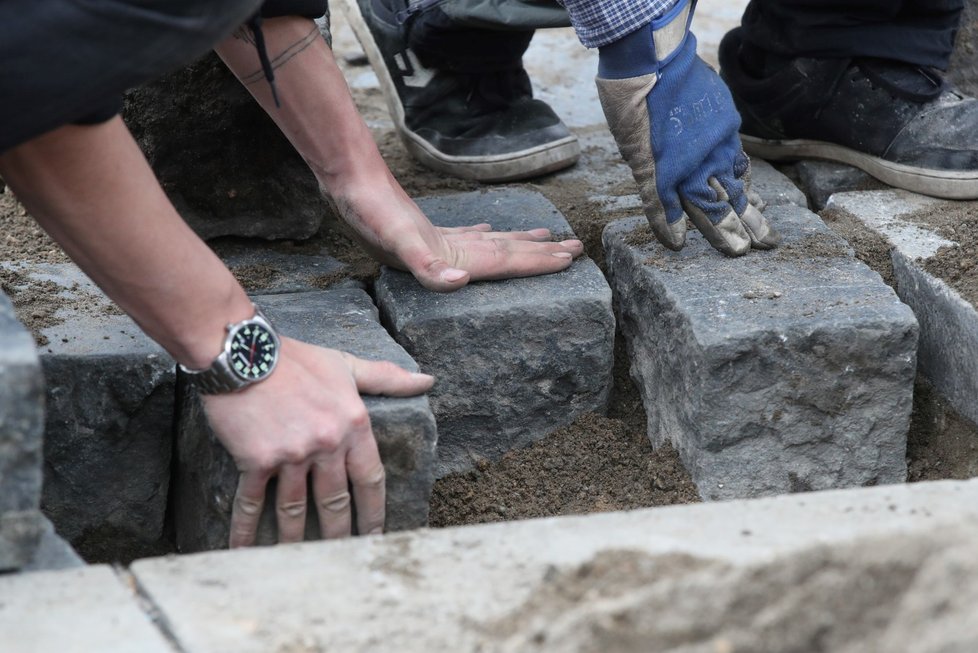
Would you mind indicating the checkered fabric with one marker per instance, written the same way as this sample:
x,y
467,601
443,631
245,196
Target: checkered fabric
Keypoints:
x,y
599,22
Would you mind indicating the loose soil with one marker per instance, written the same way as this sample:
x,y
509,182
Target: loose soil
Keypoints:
x,y
958,266
22,240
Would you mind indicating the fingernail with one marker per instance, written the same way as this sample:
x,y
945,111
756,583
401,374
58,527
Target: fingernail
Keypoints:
x,y
543,233
563,255
377,531
571,243
452,275
421,376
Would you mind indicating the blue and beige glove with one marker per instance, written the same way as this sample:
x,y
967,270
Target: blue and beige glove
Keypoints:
x,y
676,126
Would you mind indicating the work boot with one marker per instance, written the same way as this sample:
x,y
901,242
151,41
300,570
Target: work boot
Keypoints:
x,y
902,124
480,122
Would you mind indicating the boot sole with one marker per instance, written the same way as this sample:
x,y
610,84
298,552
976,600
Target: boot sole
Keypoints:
x,y
511,166
926,181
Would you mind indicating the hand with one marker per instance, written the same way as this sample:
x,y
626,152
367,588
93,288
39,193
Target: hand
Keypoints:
x,y
397,233
308,418
676,126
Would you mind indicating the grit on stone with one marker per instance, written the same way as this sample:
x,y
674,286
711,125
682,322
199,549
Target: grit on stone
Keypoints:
x,y
958,266
22,238
915,593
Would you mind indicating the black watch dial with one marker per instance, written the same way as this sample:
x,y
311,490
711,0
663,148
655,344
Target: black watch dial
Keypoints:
x,y
254,351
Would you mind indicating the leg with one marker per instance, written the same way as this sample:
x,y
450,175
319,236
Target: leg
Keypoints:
x,y
856,83
453,76
319,117
919,32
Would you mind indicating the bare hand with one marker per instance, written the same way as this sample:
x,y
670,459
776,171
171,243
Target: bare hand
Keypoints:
x,y
308,417
398,234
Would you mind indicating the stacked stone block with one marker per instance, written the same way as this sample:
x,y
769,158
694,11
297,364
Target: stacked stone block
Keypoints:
x,y
781,371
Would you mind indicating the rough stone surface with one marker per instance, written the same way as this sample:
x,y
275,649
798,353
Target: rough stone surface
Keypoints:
x,y
221,160
820,179
774,187
476,579
88,610
343,319
108,426
780,371
515,359
963,70
21,429
263,271
53,552
948,353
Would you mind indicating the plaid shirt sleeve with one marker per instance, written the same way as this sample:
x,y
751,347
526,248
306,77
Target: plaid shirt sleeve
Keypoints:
x,y
599,22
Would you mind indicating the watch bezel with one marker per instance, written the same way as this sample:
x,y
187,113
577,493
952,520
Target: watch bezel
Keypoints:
x,y
233,328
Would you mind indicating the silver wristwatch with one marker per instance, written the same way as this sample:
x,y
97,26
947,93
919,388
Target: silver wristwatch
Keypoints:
x,y
250,353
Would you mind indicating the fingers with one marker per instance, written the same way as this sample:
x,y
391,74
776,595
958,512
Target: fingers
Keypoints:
x,y
367,479
247,507
535,235
386,378
503,259
331,491
707,204
290,509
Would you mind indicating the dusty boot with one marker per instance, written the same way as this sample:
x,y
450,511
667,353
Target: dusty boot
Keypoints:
x,y
900,123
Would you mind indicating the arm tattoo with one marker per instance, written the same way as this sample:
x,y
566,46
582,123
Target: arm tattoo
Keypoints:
x,y
283,57
243,33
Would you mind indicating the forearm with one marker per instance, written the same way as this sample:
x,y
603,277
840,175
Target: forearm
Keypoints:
x,y
330,135
91,188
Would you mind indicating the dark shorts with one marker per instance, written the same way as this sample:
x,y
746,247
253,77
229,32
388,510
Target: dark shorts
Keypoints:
x,y
69,61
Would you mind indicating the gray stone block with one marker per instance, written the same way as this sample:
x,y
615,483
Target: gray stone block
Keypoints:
x,y
221,160
948,353
820,179
462,589
21,429
86,610
343,319
514,359
109,423
780,371
264,271
774,187
53,552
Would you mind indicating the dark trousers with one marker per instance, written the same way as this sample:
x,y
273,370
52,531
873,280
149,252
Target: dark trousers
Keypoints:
x,y
914,31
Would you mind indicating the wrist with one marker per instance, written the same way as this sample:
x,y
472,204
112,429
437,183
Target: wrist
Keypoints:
x,y
203,334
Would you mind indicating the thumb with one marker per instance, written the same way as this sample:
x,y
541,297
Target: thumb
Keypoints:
x,y
386,378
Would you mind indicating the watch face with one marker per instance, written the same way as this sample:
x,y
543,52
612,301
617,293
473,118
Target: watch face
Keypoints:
x,y
254,351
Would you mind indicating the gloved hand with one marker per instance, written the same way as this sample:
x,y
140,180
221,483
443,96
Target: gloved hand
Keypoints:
x,y
676,126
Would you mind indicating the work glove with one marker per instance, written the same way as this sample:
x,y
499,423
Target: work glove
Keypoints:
x,y
676,126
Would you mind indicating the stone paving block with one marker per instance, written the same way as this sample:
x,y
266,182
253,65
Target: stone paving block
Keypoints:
x,y
221,160
343,319
21,430
446,589
820,179
53,552
514,360
109,422
86,610
781,371
948,353
264,271
774,187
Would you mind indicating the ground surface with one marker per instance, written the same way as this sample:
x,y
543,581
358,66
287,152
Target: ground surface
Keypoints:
x,y
597,463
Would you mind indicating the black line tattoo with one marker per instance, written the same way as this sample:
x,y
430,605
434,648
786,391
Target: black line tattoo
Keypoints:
x,y
282,58
243,33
